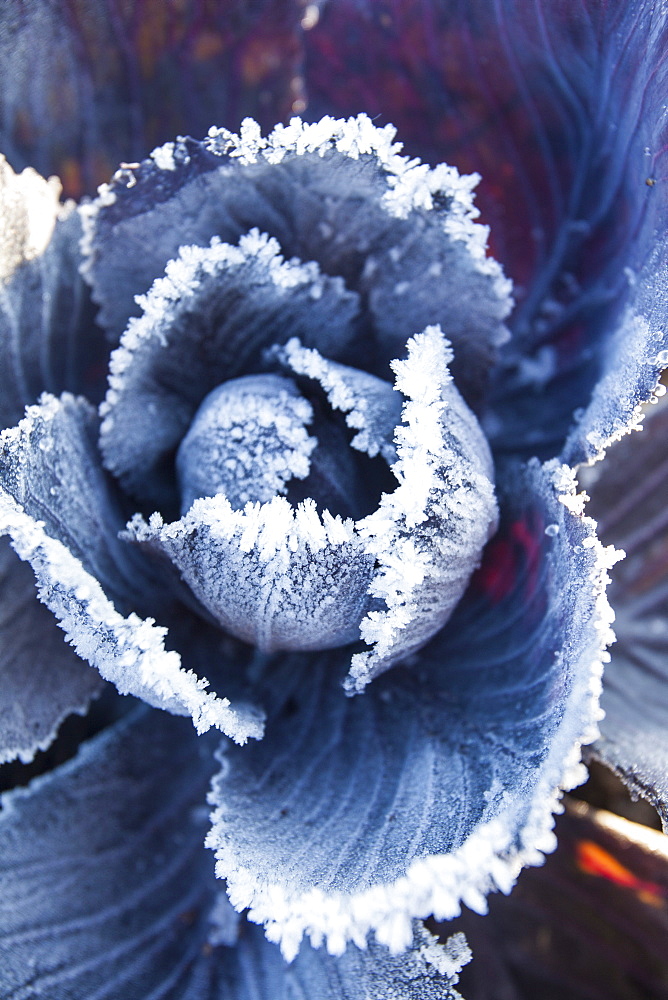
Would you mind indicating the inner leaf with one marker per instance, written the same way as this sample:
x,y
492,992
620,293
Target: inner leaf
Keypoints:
x,y
247,441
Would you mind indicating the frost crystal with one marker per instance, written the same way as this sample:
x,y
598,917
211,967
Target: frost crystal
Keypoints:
x,y
164,156
427,536
29,209
247,441
371,406
287,578
54,507
278,577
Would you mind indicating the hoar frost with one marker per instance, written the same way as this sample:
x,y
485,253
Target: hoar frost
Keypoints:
x,y
260,290
285,577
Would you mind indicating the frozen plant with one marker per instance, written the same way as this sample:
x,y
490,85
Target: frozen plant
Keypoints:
x,y
290,469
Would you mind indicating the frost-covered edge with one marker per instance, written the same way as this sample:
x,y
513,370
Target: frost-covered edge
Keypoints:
x,y
107,640
491,859
331,377
412,184
628,345
182,275
410,562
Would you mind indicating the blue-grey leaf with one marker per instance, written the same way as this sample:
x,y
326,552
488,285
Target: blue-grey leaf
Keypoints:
x,y
48,339
276,576
438,784
51,468
206,321
106,891
337,193
635,356
628,498
61,517
43,680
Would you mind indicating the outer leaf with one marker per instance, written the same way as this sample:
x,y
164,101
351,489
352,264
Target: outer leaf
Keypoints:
x,y
88,85
438,784
106,891
48,340
56,507
42,679
590,924
426,972
49,466
628,493
337,193
562,112
636,355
